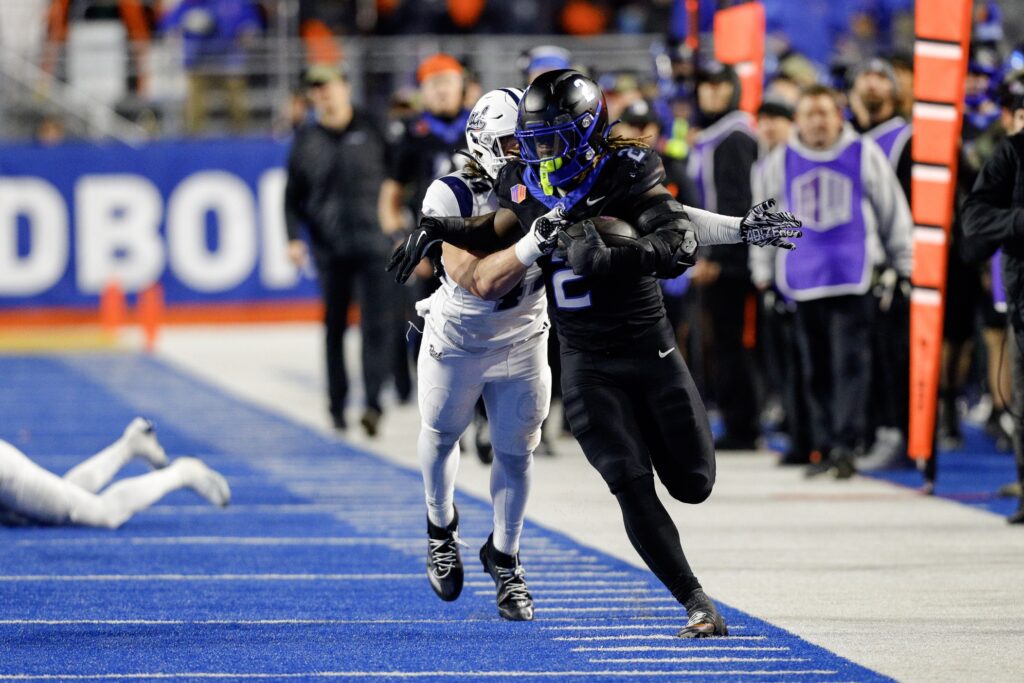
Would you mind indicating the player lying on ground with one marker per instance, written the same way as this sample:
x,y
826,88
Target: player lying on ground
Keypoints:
x,y
629,397
30,494
478,344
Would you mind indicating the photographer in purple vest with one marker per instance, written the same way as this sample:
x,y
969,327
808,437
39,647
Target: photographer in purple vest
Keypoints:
x,y
720,162
858,222
873,103
993,218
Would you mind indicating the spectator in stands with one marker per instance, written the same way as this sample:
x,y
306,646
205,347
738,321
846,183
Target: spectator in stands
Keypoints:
x,y
777,343
335,170
50,131
621,89
541,59
774,122
856,219
720,162
216,34
873,101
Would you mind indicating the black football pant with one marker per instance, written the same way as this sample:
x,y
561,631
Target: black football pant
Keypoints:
x,y
339,279
732,367
1016,342
638,413
834,334
890,390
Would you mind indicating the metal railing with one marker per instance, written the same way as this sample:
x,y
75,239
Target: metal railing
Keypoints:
x,y
153,81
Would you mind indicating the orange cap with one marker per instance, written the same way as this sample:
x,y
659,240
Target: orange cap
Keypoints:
x,y
436,64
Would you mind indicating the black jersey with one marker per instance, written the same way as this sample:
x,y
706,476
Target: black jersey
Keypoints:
x,y
426,149
593,313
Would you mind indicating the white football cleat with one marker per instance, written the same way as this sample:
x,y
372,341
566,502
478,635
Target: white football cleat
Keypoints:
x,y
140,437
208,483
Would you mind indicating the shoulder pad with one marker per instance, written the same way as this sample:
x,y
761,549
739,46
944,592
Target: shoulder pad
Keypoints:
x,y
640,169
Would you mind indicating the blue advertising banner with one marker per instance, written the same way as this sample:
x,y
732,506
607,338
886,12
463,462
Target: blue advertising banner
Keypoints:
x,y
204,218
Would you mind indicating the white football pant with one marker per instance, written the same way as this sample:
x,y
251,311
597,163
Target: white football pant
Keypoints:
x,y
515,383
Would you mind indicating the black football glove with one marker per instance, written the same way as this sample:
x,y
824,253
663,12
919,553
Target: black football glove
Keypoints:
x,y
587,256
665,253
415,248
764,228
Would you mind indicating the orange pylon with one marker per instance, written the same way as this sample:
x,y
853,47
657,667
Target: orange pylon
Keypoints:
x,y
113,308
151,313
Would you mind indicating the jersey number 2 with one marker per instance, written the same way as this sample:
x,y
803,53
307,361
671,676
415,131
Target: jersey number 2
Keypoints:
x,y
558,281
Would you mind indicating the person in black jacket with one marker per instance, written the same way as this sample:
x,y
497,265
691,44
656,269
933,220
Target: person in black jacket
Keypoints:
x,y
720,163
993,218
335,171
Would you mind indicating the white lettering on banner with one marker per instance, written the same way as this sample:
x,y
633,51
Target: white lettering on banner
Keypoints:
x,y
276,270
230,200
117,219
43,208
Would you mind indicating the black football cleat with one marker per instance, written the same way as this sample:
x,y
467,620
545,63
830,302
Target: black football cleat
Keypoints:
x,y
704,621
514,600
444,562
1017,517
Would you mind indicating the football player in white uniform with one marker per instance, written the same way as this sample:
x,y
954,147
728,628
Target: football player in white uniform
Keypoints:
x,y
475,344
30,494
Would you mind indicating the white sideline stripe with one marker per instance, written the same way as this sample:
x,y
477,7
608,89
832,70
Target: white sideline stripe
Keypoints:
x,y
604,600
542,582
410,674
690,660
576,627
584,591
627,608
696,659
224,540
644,636
224,622
623,627
681,648
208,577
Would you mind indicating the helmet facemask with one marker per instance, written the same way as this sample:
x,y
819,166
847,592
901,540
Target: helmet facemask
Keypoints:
x,y
561,150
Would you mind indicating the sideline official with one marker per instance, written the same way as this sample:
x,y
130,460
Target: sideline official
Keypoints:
x,y
335,170
993,218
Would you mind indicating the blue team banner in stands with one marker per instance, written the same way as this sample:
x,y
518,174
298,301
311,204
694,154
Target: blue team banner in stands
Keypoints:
x,y
204,218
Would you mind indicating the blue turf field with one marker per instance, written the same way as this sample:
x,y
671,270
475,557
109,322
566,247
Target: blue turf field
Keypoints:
x,y
316,571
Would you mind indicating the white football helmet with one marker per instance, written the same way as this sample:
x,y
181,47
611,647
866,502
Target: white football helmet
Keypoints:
x,y
491,124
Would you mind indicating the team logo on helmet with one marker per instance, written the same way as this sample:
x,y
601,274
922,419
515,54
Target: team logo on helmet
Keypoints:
x,y
476,121
518,193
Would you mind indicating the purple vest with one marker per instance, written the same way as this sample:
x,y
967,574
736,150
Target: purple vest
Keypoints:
x,y
892,137
998,288
701,164
832,256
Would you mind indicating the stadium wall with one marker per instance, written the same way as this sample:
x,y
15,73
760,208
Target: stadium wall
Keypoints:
x,y
203,219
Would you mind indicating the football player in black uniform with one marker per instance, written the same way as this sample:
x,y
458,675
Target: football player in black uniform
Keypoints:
x,y
628,394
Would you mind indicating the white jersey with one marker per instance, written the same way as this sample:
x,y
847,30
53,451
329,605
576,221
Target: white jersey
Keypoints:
x,y
461,318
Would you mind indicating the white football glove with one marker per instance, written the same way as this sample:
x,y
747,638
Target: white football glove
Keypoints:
x,y
542,236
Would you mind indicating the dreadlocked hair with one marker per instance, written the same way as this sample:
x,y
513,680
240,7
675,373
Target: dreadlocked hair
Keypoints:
x,y
474,171
618,142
